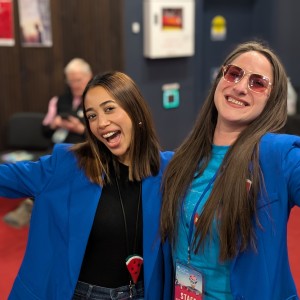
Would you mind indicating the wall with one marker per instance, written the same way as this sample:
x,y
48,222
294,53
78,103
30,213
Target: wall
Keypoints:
x,y
285,36
100,31
150,74
274,21
31,76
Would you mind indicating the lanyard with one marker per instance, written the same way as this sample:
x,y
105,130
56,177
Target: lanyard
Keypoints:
x,y
191,226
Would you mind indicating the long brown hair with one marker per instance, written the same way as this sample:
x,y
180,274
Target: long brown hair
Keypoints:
x,y
236,209
94,156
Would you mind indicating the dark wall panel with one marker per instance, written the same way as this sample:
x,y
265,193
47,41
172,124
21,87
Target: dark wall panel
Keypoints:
x,y
31,76
286,37
150,74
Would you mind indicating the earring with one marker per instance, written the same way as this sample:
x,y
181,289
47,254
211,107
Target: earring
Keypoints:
x,y
140,123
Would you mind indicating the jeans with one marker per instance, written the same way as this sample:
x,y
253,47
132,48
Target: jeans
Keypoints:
x,y
85,291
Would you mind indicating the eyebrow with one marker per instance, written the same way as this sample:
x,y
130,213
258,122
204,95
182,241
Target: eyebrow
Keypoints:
x,y
101,105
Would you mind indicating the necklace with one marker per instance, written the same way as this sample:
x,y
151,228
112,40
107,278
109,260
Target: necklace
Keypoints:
x,y
133,262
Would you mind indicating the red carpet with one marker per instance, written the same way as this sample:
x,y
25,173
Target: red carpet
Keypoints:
x,y
294,245
13,242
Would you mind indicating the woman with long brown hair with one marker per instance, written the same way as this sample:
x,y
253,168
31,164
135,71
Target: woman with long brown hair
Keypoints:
x,y
94,231
230,186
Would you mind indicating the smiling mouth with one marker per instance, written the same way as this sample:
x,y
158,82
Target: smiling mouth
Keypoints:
x,y
234,101
111,135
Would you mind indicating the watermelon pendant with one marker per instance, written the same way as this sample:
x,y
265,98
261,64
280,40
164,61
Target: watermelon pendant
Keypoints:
x,y
134,264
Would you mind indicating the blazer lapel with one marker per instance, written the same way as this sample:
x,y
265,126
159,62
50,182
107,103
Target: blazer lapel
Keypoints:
x,y
83,204
151,212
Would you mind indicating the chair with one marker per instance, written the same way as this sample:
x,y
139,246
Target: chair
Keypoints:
x,y
25,139
25,131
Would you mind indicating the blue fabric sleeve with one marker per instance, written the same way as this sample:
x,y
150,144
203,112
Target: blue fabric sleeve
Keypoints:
x,y
27,178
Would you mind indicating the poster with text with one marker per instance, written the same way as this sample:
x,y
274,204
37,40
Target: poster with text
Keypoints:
x,y
35,23
6,23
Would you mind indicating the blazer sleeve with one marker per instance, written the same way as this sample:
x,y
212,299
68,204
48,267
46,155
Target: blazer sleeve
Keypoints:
x,y
169,272
291,169
27,178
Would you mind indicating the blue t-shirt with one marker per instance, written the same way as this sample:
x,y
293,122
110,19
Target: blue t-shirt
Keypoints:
x,y
216,274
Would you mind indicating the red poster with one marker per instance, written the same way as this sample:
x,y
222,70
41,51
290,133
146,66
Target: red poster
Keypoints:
x,y
6,23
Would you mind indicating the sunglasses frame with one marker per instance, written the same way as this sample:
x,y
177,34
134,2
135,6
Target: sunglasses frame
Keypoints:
x,y
226,67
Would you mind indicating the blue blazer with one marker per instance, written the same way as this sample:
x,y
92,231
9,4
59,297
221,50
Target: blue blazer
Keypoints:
x,y
265,274
62,217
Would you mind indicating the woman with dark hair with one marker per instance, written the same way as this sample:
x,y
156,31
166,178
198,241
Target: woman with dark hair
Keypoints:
x,y
94,231
230,186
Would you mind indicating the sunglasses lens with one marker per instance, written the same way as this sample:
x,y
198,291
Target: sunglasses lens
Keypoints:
x,y
233,73
258,83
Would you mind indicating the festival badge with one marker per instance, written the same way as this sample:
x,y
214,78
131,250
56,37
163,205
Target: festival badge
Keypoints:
x,y
188,283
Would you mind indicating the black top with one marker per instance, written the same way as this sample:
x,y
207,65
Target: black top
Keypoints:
x,y
64,105
104,263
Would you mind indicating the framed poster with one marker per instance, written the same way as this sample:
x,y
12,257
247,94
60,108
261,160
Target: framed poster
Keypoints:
x,y
35,23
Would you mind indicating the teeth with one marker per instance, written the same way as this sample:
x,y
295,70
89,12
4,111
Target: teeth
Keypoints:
x,y
109,134
235,101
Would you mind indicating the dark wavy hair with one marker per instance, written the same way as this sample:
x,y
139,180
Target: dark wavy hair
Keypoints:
x,y
237,208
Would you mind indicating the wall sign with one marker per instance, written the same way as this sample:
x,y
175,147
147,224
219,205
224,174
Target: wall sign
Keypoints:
x,y
169,28
218,29
171,97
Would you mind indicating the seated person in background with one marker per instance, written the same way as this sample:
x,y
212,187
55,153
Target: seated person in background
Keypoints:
x,y
64,119
63,123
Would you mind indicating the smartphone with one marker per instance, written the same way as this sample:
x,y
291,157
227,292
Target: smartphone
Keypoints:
x,y
64,115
